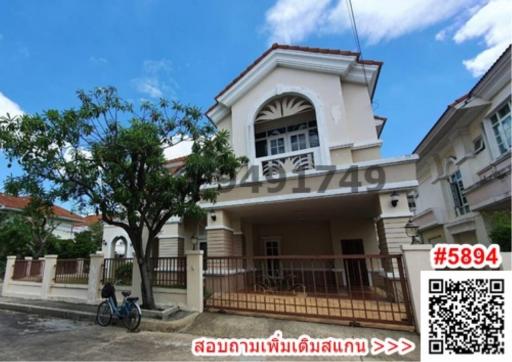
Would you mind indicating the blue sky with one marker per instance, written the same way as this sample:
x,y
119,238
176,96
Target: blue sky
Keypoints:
x,y
433,51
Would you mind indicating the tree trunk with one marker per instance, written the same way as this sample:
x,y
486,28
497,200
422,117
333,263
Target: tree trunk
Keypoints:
x,y
148,300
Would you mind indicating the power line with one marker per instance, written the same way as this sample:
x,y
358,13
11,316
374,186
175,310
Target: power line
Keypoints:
x,y
358,43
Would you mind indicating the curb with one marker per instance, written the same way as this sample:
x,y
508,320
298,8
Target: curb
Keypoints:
x,y
151,325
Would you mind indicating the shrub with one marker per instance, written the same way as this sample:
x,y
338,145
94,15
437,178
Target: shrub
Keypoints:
x,y
501,230
123,274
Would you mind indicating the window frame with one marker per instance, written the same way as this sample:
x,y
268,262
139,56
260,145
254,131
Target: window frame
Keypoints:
x,y
461,205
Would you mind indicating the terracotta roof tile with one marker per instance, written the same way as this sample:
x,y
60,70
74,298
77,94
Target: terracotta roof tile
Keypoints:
x,y
14,202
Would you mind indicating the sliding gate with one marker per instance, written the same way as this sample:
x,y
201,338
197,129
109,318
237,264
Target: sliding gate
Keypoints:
x,y
355,288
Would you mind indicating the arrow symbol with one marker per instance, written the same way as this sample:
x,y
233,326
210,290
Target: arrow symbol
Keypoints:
x,y
394,345
377,346
407,346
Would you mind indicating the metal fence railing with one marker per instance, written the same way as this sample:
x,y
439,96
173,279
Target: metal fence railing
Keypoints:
x,y
117,270
28,270
72,271
358,288
170,272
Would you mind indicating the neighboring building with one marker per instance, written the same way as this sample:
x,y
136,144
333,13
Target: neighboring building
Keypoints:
x,y
464,168
67,223
300,109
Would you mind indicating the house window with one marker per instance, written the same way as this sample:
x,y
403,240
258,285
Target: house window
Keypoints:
x,y
457,189
478,145
292,138
500,122
272,249
277,146
411,201
298,142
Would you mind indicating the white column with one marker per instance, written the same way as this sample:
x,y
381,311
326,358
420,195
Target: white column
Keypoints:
x,y
50,264
195,280
94,280
416,259
9,269
28,265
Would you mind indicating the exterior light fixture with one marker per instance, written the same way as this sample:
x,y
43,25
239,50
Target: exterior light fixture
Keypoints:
x,y
411,229
394,198
213,215
193,239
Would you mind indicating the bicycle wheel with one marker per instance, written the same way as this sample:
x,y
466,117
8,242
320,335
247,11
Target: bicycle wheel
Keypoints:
x,y
132,318
104,314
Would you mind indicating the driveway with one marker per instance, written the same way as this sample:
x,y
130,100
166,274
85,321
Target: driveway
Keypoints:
x,y
29,337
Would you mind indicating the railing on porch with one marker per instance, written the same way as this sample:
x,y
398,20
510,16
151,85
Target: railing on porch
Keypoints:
x,y
72,271
281,164
117,270
357,288
170,272
28,270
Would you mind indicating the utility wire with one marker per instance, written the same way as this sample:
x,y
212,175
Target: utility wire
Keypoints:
x,y
358,43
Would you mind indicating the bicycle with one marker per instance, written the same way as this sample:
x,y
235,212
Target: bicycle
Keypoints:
x,y
273,285
129,311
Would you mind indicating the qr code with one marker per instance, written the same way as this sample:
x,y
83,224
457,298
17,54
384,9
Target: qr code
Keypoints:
x,y
464,313
466,317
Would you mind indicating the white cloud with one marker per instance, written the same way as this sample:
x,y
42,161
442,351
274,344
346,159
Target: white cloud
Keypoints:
x,y
377,20
492,23
157,80
98,60
9,106
292,21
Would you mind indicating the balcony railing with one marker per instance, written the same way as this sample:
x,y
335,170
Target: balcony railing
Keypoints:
x,y
289,162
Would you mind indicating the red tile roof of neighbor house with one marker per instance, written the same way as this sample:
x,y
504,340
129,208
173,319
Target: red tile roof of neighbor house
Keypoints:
x,y
14,202
91,219
298,48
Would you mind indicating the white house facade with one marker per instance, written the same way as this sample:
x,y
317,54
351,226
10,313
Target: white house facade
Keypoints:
x,y
465,165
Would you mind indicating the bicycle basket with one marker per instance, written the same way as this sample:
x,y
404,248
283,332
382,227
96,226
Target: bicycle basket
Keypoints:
x,y
108,291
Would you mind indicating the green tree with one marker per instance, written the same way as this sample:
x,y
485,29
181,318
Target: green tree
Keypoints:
x,y
108,155
38,213
501,229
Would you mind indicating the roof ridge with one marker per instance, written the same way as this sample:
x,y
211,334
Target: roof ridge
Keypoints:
x,y
275,46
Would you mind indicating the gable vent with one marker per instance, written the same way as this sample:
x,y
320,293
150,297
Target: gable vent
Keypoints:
x,y
283,107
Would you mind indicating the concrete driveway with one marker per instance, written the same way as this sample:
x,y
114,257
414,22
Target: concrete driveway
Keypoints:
x,y
29,337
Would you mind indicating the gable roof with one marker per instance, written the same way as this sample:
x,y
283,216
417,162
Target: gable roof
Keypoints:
x,y
18,203
450,109
355,55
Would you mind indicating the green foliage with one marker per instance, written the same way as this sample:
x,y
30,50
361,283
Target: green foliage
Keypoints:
x,y
109,156
15,235
501,230
123,274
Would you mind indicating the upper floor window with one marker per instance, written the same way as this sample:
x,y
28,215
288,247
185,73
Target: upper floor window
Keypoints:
x,y
500,122
457,189
285,124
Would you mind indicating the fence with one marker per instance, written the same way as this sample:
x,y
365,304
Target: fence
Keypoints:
x,y
369,288
28,270
72,271
170,272
117,270
81,280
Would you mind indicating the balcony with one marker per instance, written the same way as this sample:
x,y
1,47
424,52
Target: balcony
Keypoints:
x,y
290,162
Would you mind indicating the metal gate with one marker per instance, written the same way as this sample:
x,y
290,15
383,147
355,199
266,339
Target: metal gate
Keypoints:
x,y
354,288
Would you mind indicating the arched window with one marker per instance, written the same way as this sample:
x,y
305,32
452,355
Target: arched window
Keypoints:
x,y
285,124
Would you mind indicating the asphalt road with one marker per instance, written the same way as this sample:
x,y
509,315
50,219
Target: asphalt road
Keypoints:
x,y
30,337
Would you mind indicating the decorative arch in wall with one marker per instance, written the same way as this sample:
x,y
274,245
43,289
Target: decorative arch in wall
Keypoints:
x,y
116,244
283,101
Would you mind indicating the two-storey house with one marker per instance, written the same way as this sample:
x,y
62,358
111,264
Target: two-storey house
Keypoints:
x,y
464,167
